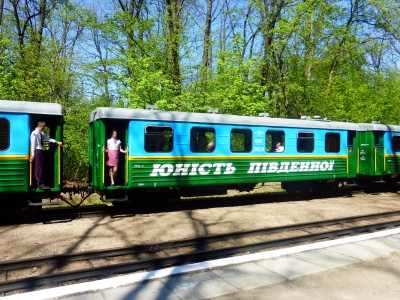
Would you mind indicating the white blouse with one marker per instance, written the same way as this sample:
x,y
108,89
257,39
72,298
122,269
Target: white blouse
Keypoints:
x,y
113,144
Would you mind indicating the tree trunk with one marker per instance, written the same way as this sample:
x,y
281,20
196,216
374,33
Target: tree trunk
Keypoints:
x,y
174,8
206,65
270,14
311,41
133,9
42,18
1,11
354,10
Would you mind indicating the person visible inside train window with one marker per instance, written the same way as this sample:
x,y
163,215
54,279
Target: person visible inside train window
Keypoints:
x,y
210,147
279,147
193,142
158,139
202,141
37,137
113,149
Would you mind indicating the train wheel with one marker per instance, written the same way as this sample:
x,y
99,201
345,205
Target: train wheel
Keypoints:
x,y
21,209
171,198
123,204
291,191
307,190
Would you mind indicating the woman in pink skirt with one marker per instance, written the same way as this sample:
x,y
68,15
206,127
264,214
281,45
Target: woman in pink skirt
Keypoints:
x,y
113,149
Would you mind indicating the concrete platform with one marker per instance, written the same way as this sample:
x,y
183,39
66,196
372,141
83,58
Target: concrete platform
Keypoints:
x,y
362,267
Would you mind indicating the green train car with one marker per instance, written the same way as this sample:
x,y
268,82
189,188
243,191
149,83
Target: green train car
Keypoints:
x,y
314,155
378,153
18,191
174,154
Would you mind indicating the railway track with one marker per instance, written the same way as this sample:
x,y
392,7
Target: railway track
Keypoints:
x,y
155,256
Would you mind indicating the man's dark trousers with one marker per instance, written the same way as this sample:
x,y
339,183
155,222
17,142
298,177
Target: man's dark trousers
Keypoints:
x,y
38,167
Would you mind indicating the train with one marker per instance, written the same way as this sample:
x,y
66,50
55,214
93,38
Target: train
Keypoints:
x,y
180,154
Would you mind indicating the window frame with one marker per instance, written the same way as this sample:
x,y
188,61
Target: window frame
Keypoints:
x,y
7,134
305,138
248,142
149,142
328,145
396,143
273,141
209,134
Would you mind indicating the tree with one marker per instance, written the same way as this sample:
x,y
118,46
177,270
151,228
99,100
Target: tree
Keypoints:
x,y
174,10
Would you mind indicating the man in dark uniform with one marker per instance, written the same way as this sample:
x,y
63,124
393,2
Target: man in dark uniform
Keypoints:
x,y
37,136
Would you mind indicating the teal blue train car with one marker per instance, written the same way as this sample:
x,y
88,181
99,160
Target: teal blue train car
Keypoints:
x,y
314,154
18,191
175,154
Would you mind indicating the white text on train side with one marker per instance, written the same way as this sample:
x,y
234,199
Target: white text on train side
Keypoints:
x,y
286,167
228,168
192,169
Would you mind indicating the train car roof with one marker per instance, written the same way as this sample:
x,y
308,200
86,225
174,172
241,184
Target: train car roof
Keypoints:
x,y
208,118
378,127
39,108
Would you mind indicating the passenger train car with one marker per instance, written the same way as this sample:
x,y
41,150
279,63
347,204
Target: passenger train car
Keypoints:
x,y
174,154
17,120
318,154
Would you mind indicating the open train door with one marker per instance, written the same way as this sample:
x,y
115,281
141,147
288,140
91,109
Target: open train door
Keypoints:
x,y
102,122
121,127
379,153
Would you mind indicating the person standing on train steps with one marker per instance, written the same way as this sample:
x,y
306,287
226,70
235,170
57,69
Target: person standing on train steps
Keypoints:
x,y
37,137
113,149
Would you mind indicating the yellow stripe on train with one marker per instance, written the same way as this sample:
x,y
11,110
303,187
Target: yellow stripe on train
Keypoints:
x,y
9,157
213,157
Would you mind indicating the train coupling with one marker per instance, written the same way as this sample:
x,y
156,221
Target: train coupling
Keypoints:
x,y
49,203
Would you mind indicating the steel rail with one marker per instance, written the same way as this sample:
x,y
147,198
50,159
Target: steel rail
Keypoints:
x,y
199,255
199,242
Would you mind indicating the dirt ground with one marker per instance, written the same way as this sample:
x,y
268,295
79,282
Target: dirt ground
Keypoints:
x,y
61,237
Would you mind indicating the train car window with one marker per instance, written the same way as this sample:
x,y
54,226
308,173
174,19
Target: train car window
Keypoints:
x,y
396,143
332,142
351,137
4,134
241,140
305,142
378,138
158,139
275,141
202,139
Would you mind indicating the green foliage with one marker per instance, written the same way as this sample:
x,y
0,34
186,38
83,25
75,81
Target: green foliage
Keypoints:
x,y
76,138
289,59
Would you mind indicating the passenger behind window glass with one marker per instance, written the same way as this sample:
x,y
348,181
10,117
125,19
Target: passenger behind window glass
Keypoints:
x,y
158,139
193,142
210,147
202,141
279,147
272,138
